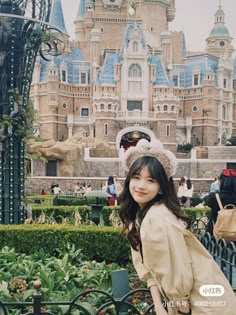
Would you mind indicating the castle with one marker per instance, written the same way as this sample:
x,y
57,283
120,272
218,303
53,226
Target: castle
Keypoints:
x,y
126,76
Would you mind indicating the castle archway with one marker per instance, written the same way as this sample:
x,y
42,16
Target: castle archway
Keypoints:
x,y
130,136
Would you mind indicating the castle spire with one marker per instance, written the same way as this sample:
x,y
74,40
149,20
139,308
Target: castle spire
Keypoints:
x,y
81,10
220,5
57,17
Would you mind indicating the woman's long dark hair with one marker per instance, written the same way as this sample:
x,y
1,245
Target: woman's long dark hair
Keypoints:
x,y
130,213
110,180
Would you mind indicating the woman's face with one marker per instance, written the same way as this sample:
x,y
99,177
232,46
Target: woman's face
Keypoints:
x,y
143,188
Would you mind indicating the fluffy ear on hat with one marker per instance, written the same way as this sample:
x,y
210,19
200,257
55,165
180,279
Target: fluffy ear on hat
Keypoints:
x,y
130,156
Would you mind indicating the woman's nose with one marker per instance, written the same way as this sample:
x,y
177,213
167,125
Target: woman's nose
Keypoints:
x,y
141,184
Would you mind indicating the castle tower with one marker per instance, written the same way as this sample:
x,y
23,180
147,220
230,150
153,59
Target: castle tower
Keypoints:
x,y
155,16
79,22
219,40
57,20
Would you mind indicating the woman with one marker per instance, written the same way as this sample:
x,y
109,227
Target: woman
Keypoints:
x,y
227,196
165,253
182,190
111,189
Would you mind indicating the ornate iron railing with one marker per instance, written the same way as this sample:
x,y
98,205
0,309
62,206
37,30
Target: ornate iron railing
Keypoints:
x,y
224,254
24,32
89,302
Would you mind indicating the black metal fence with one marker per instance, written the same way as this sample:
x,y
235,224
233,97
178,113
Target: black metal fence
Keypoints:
x,y
224,254
120,301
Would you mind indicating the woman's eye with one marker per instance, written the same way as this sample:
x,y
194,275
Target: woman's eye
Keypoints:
x,y
135,177
151,180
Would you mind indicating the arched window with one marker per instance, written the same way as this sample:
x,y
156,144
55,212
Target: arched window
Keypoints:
x,y
223,112
165,108
135,46
135,71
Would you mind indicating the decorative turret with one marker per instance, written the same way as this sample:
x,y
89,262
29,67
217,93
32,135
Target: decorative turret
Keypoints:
x,y
219,40
57,20
79,22
171,11
57,17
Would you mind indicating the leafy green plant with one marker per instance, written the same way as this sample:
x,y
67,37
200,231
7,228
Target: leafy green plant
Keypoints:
x,y
20,120
63,277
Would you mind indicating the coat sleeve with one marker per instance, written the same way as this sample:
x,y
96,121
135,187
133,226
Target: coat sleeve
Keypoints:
x,y
143,272
166,255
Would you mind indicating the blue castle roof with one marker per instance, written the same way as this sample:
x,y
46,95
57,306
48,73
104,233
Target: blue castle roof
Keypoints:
x,y
161,76
72,63
81,10
107,74
202,63
57,17
219,28
234,77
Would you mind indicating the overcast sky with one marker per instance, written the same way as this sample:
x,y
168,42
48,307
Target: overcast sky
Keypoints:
x,y
194,17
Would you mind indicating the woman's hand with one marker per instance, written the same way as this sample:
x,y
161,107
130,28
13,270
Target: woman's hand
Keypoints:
x,y
157,301
184,309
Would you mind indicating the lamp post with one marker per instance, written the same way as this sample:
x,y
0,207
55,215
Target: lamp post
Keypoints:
x,y
23,25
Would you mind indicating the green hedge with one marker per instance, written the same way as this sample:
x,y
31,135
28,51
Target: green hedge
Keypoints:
x,y
97,243
195,213
58,213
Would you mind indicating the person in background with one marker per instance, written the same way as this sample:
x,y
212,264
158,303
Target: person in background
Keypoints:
x,y
111,189
52,188
182,188
188,194
88,188
57,190
43,192
76,188
165,253
117,185
227,196
215,186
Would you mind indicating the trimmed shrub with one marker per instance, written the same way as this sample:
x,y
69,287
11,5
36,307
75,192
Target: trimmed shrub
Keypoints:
x,y
97,243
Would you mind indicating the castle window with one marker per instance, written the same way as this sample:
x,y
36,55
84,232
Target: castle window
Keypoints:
x,y
135,71
223,112
109,106
83,78
225,83
84,112
132,105
102,106
63,76
151,29
176,80
64,106
51,168
165,108
195,108
135,46
135,86
105,129
168,130
196,79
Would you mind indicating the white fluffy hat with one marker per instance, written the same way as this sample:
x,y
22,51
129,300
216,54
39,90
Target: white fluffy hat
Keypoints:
x,y
155,149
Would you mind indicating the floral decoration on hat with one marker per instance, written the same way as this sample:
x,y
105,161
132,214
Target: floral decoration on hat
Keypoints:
x,y
154,149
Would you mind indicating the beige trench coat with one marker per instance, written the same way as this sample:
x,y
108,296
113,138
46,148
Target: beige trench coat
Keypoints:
x,y
179,265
